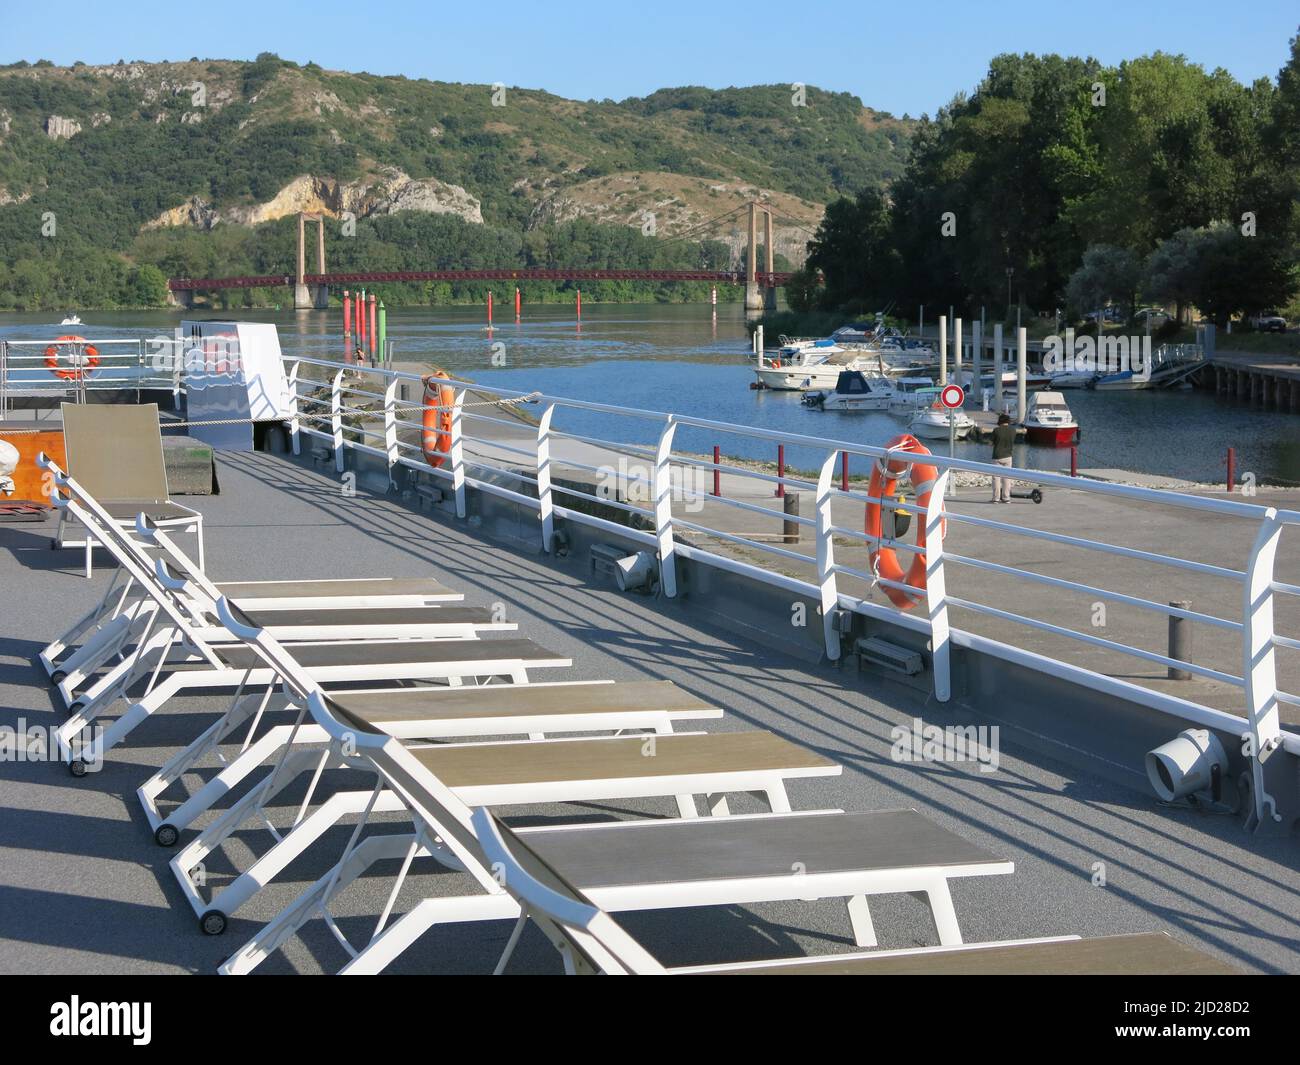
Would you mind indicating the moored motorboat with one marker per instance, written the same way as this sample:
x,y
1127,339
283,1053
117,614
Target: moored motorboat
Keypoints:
x,y
1073,379
853,391
940,423
911,392
1049,421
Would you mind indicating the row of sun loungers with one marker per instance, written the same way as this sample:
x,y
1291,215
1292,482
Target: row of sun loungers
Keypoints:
x,y
395,686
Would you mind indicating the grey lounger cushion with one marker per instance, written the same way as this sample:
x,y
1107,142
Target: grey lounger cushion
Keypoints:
x,y
323,589
651,852
615,759
413,704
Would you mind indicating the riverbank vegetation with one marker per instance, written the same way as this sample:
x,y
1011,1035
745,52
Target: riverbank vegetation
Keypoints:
x,y
1063,184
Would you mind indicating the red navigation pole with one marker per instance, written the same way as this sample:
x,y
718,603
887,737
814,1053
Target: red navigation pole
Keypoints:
x,y
517,304
347,326
373,327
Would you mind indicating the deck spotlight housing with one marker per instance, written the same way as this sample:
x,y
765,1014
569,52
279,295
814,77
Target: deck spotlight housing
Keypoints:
x,y
635,573
1192,764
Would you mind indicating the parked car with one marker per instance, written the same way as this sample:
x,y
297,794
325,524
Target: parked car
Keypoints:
x,y
1267,322
1157,316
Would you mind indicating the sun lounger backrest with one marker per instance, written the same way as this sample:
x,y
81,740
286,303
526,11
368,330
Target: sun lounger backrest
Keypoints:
x,y
133,566
586,933
115,450
429,800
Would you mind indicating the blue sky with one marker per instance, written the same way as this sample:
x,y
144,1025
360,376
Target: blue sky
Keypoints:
x,y
899,57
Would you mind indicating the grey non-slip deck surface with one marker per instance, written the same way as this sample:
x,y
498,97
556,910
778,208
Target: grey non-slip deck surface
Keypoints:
x,y
84,888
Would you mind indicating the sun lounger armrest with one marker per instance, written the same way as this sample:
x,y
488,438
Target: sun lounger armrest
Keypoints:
x,y
520,881
169,582
241,629
144,527
343,729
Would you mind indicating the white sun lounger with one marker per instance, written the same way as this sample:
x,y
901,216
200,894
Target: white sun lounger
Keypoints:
x,y
586,769
569,770
625,865
195,596
591,941
116,451
534,710
102,626
236,667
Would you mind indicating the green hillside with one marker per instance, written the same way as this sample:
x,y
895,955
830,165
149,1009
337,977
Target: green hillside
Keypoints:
x,y
177,165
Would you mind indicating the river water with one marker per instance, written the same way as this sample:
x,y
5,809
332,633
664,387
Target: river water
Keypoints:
x,y
684,359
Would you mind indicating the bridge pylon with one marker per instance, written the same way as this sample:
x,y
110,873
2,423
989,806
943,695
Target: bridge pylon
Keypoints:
x,y
310,297
753,294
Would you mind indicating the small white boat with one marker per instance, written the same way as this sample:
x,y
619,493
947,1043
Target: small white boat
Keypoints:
x,y
1034,382
854,390
807,368
1073,379
1049,421
940,423
911,392
71,319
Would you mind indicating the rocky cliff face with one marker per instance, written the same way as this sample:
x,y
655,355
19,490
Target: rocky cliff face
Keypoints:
x,y
388,192
59,128
672,204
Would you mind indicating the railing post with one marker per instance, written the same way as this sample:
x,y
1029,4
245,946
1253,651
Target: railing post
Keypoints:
x,y
295,424
336,419
830,596
458,453
1259,668
390,426
936,594
545,508
663,484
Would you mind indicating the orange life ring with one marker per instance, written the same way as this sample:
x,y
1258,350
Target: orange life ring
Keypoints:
x,y
436,435
884,479
88,359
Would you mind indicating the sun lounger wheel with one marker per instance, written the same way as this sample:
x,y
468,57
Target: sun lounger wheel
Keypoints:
x,y
77,767
212,923
58,677
75,707
166,836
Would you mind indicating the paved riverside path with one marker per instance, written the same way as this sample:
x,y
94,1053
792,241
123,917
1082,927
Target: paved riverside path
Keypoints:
x,y
83,888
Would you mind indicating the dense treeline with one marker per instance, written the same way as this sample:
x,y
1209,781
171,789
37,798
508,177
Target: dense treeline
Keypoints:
x,y
1063,183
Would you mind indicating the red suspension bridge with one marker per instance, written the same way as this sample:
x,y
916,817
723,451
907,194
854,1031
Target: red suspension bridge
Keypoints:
x,y
721,277
312,290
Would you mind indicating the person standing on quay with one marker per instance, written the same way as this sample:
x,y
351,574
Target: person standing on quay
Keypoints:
x,y
1004,438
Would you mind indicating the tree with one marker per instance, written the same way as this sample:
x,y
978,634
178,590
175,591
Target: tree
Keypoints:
x,y
1218,270
1106,274
150,287
853,250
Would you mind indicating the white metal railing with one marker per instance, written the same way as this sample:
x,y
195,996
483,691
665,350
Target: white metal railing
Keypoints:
x,y
69,370
525,464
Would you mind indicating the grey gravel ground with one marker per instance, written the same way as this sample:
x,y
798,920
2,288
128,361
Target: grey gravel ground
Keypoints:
x,y
83,888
